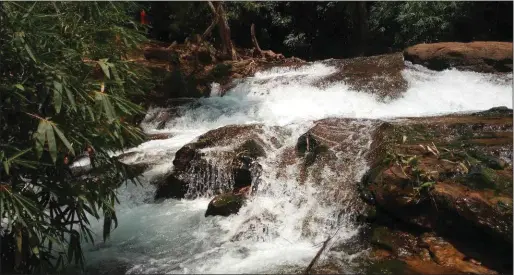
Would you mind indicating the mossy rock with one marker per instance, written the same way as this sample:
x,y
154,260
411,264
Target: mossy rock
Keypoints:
x,y
490,161
369,215
171,187
306,143
382,237
225,205
387,267
495,111
481,177
221,70
252,149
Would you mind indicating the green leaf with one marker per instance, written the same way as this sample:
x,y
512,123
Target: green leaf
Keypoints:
x,y
427,184
52,145
6,167
29,51
63,139
71,98
40,137
19,86
19,248
107,225
57,96
19,154
105,67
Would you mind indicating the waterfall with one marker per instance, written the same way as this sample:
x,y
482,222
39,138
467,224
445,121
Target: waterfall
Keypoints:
x,y
283,225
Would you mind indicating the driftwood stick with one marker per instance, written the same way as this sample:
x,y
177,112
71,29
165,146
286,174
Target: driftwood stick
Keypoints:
x,y
215,19
213,9
315,259
208,31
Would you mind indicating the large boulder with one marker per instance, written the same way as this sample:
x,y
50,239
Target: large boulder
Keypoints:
x,y
380,74
220,161
451,175
479,56
331,154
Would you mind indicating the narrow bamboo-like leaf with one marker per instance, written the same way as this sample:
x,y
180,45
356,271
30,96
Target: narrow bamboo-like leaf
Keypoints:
x,y
71,98
19,247
107,225
108,109
116,76
52,145
6,167
19,154
40,137
115,219
105,67
70,249
63,139
29,51
19,86
28,12
57,96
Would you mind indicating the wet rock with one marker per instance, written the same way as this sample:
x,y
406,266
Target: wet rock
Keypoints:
x,y
158,136
481,177
309,148
495,111
380,75
219,161
225,205
475,56
445,174
390,266
383,238
184,156
445,254
171,187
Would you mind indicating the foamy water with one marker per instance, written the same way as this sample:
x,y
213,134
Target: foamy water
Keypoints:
x,y
283,225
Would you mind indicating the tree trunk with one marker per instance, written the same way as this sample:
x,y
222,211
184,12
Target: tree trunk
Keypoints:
x,y
254,39
362,23
224,30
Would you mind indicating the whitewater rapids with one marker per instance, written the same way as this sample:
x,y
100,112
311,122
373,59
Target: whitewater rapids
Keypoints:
x,y
269,233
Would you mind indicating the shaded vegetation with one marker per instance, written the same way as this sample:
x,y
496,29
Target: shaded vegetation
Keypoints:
x,y
315,30
66,86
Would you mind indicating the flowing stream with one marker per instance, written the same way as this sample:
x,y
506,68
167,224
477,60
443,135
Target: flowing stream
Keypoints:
x,y
282,227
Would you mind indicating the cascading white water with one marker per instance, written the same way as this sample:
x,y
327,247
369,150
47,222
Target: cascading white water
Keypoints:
x,y
283,225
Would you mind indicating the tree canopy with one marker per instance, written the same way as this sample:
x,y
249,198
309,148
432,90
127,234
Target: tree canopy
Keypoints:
x,y
330,29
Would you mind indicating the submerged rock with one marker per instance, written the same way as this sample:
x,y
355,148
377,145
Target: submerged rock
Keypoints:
x,y
479,56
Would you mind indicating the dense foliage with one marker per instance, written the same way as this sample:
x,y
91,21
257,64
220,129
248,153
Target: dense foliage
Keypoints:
x,y
65,85
338,29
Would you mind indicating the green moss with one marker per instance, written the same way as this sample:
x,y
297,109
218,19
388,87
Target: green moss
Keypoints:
x,y
227,199
225,205
481,177
490,161
221,70
383,238
203,142
252,149
387,267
